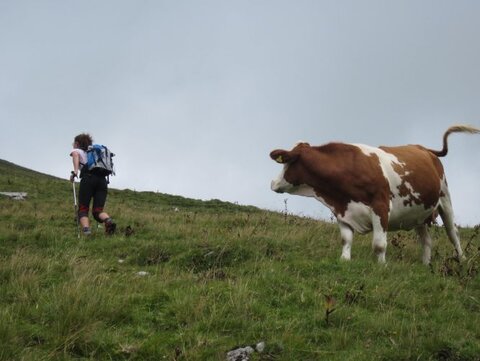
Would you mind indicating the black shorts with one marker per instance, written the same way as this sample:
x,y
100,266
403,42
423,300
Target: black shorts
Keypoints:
x,y
94,187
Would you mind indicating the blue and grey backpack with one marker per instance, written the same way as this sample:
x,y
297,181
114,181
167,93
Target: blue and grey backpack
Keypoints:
x,y
99,160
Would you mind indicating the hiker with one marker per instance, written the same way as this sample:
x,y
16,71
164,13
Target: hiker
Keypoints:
x,y
92,185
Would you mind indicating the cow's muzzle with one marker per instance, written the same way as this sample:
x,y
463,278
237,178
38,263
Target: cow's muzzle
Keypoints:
x,y
276,187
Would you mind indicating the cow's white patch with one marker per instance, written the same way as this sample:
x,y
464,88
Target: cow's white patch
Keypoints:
x,y
411,191
379,241
387,161
347,238
358,216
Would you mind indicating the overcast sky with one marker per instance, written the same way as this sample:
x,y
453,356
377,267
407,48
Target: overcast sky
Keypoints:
x,y
193,95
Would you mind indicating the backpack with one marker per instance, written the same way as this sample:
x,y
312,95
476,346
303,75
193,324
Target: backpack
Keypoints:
x,y
99,160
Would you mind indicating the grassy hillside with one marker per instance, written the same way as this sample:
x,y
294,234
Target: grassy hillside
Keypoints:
x,y
216,276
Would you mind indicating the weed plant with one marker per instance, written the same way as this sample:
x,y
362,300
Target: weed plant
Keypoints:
x,y
216,276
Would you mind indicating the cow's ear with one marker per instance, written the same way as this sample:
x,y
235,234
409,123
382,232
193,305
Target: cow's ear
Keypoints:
x,y
283,156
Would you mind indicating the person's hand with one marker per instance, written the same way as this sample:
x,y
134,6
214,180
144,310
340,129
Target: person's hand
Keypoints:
x,y
72,176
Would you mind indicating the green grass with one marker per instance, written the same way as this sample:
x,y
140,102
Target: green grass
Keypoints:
x,y
220,276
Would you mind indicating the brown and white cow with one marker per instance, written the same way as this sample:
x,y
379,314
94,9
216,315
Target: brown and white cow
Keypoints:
x,y
373,189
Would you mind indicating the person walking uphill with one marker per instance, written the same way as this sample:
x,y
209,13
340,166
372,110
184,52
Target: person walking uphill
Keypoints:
x,y
93,185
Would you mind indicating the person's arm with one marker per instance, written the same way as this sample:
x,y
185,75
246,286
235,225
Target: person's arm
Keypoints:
x,y
76,165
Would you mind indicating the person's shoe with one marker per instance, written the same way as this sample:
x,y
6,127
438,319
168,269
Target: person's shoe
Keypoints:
x,y
110,227
87,231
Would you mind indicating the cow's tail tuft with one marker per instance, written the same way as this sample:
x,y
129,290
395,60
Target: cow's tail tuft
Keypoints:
x,y
453,129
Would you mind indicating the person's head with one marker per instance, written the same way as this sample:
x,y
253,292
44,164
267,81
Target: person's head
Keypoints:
x,y
83,141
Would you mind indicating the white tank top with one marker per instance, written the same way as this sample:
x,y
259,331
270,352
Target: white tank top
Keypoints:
x,y
83,156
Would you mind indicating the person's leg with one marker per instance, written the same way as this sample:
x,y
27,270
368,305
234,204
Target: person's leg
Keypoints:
x,y
85,194
99,199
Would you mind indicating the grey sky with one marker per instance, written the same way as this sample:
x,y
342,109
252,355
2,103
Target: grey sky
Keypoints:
x,y
193,95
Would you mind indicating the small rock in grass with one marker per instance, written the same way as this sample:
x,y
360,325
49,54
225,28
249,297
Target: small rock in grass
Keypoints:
x,y
243,353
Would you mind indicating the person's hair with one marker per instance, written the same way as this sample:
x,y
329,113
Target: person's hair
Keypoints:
x,y
84,140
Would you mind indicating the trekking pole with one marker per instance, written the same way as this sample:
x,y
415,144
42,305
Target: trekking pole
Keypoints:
x,y
75,205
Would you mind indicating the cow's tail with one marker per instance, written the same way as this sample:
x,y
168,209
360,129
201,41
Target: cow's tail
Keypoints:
x,y
453,129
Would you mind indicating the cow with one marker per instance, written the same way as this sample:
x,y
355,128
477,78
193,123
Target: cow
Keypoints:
x,y
374,189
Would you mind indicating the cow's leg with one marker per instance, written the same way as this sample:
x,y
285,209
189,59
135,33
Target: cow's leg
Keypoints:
x,y
426,241
446,212
379,243
347,238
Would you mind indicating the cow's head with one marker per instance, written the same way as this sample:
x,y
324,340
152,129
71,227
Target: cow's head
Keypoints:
x,y
292,175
